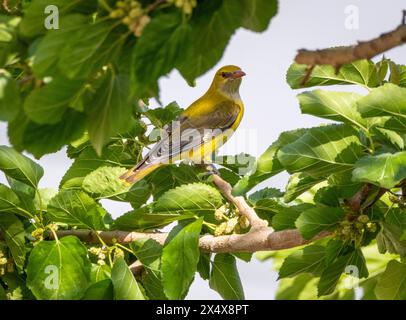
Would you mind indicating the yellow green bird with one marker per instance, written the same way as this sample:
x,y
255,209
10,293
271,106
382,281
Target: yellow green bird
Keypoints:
x,y
201,129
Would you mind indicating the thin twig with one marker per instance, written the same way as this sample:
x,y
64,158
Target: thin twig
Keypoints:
x,y
243,208
155,5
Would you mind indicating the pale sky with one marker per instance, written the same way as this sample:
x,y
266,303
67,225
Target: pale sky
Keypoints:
x,y
271,106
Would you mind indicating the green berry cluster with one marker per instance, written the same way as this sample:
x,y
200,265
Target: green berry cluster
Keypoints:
x,y
185,5
232,222
100,253
118,253
400,200
6,265
354,229
38,234
131,14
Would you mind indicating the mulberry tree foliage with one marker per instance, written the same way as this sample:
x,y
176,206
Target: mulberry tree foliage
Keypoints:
x,y
85,86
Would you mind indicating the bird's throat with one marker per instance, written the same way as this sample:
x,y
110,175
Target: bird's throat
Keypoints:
x,y
230,89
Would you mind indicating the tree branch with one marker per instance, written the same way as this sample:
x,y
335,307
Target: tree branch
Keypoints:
x,y
259,240
336,57
240,203
260,237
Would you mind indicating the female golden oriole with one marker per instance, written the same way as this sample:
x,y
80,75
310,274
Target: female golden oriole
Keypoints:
x,y
202,128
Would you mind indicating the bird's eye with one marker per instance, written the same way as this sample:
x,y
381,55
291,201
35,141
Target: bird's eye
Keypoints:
x,y
224,74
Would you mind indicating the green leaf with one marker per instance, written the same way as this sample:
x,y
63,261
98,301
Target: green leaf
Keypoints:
x,y
212,26
13,231
267,202
291,289
344,184
361,72
16,286
389,238
169,177
162,41
267,164
322,151
387,100
104,182
10,202
40,139
26,196
125,286
265,193
100,272
88,161
327,196
59,269
196,197
76,208
352,264
102,290
307,260
83,48
45,60
10,101
240,164
391,284
43,196
3,294
402,75
143,219
224,277
312,221
148,251
394,138
203,266
33,22
286,217
159,117
368,289
149,254
331,105
180,256
334,249
47,105
384,170
19,167
298,184
110,111
258,13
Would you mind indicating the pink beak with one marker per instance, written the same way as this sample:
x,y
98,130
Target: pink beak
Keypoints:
x,y
237,74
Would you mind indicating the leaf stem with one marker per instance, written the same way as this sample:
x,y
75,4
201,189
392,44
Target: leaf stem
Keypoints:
x,y
124,248
105,5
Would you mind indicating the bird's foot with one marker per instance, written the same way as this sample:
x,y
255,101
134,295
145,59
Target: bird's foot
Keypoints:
x,y
210,170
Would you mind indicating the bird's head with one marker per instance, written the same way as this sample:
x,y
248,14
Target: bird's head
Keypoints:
x,y
227,80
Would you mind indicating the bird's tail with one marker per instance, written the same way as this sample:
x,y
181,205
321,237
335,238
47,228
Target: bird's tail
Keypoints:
x,y
138,172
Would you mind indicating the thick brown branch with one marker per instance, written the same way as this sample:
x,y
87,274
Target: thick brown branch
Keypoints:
x,y
336,57
260,240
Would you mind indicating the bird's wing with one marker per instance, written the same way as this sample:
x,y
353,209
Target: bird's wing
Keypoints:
x,y
189,132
